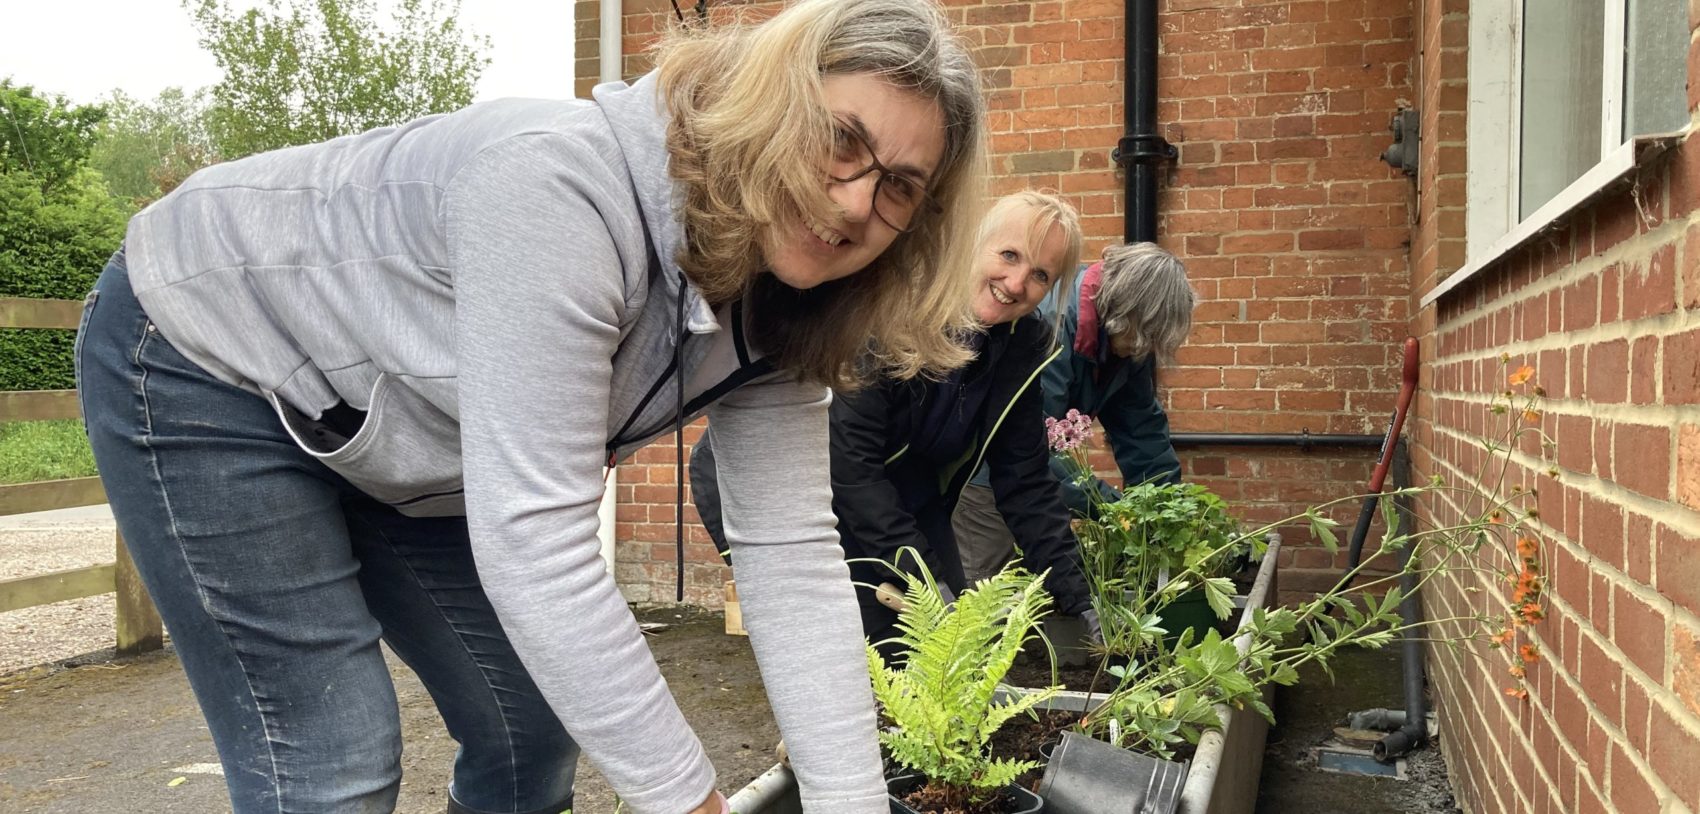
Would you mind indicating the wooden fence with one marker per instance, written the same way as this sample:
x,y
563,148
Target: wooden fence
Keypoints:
x,y
137,622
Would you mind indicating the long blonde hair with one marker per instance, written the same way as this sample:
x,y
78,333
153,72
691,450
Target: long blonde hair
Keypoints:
x,y
1043,211
749,133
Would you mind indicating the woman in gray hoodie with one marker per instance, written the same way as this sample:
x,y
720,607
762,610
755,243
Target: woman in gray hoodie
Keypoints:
x,y
365,390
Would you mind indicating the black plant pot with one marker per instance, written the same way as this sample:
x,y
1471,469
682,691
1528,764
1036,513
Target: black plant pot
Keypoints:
x,y
1088,776
1019,800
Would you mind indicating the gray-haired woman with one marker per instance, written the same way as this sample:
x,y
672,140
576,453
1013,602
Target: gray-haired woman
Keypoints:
x,y
365,390
1125,315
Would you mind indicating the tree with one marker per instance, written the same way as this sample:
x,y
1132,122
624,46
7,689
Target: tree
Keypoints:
x,y
147,148
57,222
316,69
44,136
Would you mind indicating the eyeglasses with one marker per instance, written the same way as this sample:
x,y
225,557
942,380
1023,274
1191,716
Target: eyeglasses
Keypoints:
x,y
898,198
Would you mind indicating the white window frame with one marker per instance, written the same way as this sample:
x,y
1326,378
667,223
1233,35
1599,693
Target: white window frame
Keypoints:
x,y
1493,182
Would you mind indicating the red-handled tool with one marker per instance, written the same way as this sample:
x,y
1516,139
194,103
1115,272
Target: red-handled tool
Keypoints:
x,y
1407,391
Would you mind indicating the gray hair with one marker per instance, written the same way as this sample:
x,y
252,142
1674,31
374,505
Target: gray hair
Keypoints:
x,y
1145,297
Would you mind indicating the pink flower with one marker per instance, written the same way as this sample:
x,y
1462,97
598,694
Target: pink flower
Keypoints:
x,y
1068,432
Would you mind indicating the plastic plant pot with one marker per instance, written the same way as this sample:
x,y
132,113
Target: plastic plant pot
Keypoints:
x,y
1020,800
1087,776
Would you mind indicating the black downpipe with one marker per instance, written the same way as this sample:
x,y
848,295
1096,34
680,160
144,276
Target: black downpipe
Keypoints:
x,y
1141,149
1415,731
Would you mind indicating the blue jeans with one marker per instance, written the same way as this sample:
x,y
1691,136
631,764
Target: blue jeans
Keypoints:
x,y
276,579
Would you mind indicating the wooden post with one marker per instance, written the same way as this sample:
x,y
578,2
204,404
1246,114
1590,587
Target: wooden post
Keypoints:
x,y
139,627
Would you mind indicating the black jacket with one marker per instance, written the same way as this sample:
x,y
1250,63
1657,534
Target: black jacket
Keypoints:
x,y
887,498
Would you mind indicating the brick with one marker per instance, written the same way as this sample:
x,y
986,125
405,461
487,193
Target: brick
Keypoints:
x,y
1575,443
1630,791
1611,292
1688,465
1636,711
1639,630
1569,577
1581,304
1331,239
999,14
1602,532
1650,289
1647,451
1608,372
1685,667
1678,576
1691,264
1639,543
1056,161
1682,368
1674,753
1644,370
1615,221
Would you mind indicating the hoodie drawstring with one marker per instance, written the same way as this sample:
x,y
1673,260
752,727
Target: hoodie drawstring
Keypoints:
x,y
679,448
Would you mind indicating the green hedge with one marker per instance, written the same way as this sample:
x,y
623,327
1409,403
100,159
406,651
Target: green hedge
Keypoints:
x,y
52,246
36,360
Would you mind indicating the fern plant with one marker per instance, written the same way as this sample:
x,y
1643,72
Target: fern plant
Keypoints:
x,y
943,698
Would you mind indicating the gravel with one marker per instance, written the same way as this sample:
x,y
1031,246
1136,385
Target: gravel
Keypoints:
x,y
43,543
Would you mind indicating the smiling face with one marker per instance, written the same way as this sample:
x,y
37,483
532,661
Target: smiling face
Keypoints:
x,y
906,133
1014,275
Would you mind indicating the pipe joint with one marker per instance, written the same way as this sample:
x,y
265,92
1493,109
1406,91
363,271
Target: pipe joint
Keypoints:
x,y
1147,148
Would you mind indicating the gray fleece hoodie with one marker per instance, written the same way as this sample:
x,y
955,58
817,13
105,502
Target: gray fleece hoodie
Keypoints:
x,y
496,287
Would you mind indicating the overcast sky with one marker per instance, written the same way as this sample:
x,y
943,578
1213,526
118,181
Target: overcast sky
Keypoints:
x,y
84,48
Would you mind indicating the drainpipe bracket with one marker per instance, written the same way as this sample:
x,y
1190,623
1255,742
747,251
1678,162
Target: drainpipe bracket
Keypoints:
x,y
1145,149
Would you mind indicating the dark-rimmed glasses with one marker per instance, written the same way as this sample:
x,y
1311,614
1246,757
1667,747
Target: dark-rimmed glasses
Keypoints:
x,y
898,198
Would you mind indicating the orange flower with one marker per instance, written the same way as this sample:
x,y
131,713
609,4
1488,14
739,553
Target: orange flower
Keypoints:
x,y
1532,613
1518,693
1516,670
1532,416
1503,637
1527,584
1530,653
1527,548
1522,376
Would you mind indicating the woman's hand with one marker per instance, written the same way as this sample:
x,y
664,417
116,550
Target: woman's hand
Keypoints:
x,y
714,804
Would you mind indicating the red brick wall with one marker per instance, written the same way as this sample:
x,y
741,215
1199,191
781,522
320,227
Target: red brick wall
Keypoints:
x,y
1607,309
1293,232
1307,253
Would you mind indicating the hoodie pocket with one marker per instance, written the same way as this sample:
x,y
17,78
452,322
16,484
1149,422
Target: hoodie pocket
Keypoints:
x,y
406,452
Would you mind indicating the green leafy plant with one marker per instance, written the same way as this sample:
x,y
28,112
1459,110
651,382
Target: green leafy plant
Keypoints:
x,y
1163,694
944,697
1135,546
1168,527
1155,546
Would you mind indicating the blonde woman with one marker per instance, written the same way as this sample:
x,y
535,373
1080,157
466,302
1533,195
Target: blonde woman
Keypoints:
x,y
903,450
364,390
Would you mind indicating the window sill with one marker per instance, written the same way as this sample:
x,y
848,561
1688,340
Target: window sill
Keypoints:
x,y
1604,174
